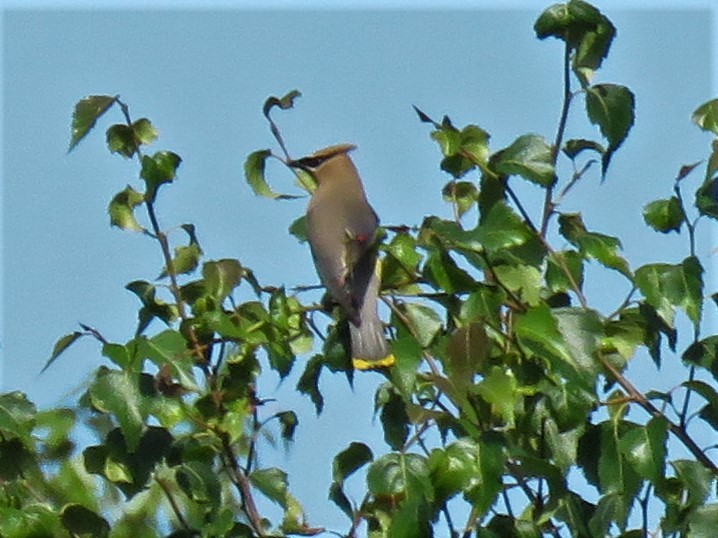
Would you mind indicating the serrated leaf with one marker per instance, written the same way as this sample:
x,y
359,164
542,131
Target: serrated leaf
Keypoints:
x,y
501,229
706,116
398,474
611,107
603,248
425,322
666,286
664,215
118,394
87,112
272,482
60,346
463,150
221,277
122,209
530,157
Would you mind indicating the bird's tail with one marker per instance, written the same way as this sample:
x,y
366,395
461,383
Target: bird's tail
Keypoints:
x,y
370,349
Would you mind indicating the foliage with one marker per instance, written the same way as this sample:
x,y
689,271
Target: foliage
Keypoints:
x,y
508,385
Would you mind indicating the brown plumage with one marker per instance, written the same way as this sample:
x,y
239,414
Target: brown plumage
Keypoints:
x,y
341,228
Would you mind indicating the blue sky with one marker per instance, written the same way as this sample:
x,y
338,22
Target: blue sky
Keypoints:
x,y
201,76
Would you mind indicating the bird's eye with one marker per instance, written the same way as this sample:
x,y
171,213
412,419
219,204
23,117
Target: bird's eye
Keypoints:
x,y
308,162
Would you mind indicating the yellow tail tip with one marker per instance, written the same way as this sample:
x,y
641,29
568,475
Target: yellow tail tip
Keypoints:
x,y
373,364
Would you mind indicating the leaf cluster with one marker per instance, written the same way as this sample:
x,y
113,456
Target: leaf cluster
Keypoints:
x,y
508,382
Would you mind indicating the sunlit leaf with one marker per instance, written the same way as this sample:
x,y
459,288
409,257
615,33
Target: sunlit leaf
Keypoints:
x,y
122,209
87,112
530,157
611,107
706,116
664,215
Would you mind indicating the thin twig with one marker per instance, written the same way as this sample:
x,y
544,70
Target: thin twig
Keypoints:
x,y
241,481
675,429
161,238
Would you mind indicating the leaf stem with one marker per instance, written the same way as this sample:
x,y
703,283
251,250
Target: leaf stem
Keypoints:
x,y
548,205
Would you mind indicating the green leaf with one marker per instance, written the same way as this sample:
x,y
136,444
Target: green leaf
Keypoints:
x,y
501,229
466,352
611,107
584,29
566,338
199,482
17,416
707,198
272,482
704,353
664,215
442,273
121,139
530,157
702,521
499,389
80,520
603,248
393,416
346,463
87,112
309,382
456,468
284,103
425,322
696,479
119,394
572,148
298,229
145,132
564,271
157,170
221,277
350,460
463,150
61,345
186,259
463,194
523,280
666,286
254,168
122,209
706,116
399,475
644,447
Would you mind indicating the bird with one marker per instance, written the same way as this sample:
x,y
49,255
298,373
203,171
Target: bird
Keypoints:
x,y
342,234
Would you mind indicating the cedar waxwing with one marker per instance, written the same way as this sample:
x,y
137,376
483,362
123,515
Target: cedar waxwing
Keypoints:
x,y
341,228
